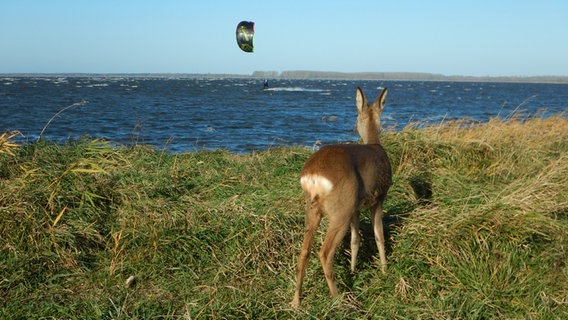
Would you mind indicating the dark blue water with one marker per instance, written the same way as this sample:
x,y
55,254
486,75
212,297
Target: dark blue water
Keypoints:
x,y
181,115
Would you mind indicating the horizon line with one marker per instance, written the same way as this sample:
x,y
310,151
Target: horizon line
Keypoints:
x,y
310,75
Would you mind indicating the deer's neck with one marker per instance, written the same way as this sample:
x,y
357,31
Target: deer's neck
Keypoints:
x,y
371,136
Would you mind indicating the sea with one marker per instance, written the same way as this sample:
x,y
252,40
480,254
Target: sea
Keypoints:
x,y
179,114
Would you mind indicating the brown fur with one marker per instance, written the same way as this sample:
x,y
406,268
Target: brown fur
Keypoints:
x,y
338,180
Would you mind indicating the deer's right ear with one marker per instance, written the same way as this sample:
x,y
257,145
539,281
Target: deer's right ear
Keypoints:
x,y
360,99
380,102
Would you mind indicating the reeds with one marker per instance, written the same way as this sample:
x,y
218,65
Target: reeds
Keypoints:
x,y
477,220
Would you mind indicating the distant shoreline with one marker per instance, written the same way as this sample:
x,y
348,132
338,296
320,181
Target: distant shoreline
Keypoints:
x,y
311,75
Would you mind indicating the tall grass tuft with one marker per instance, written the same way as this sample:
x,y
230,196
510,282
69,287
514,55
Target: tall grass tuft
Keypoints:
x,y
477,223
7,146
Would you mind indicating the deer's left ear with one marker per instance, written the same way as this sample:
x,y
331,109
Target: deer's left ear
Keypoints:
x,y
360,99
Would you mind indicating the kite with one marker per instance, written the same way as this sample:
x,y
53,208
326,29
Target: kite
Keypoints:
x,y
245,33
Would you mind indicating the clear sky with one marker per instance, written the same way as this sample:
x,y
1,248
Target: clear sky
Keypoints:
x,y
451,37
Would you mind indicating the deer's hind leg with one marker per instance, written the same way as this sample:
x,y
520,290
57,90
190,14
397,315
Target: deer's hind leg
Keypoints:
x,y
355,240
340,215
377,218
313,219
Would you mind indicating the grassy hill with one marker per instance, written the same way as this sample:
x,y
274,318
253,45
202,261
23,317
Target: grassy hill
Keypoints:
x,y
477,222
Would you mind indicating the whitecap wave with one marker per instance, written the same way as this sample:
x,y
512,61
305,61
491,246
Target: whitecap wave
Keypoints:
x,y
295,89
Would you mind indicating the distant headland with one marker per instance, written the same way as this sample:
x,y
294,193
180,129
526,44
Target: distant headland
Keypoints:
x,y
313,75
403,76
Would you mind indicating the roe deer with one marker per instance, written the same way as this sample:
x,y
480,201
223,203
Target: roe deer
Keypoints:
x,y
338,180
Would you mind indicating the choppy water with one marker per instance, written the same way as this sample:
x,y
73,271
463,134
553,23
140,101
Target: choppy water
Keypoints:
x,y
181,115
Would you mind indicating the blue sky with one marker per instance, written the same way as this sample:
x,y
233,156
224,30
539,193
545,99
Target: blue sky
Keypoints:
x,y
478,37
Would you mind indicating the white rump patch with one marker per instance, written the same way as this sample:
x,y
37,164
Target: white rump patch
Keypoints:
x,y
316,185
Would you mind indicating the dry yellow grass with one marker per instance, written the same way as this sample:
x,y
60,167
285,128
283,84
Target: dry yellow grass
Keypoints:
x,y
6,144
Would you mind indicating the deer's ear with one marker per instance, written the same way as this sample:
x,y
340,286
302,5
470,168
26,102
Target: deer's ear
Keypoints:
x,y
380,102
360,99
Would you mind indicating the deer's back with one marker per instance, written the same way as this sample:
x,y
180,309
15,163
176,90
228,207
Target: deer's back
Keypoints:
x,y
364,168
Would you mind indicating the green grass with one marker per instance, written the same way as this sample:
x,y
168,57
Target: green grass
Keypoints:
x,y
477,222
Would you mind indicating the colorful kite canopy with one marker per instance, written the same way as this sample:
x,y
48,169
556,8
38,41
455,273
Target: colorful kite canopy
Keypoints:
x,y
245,33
